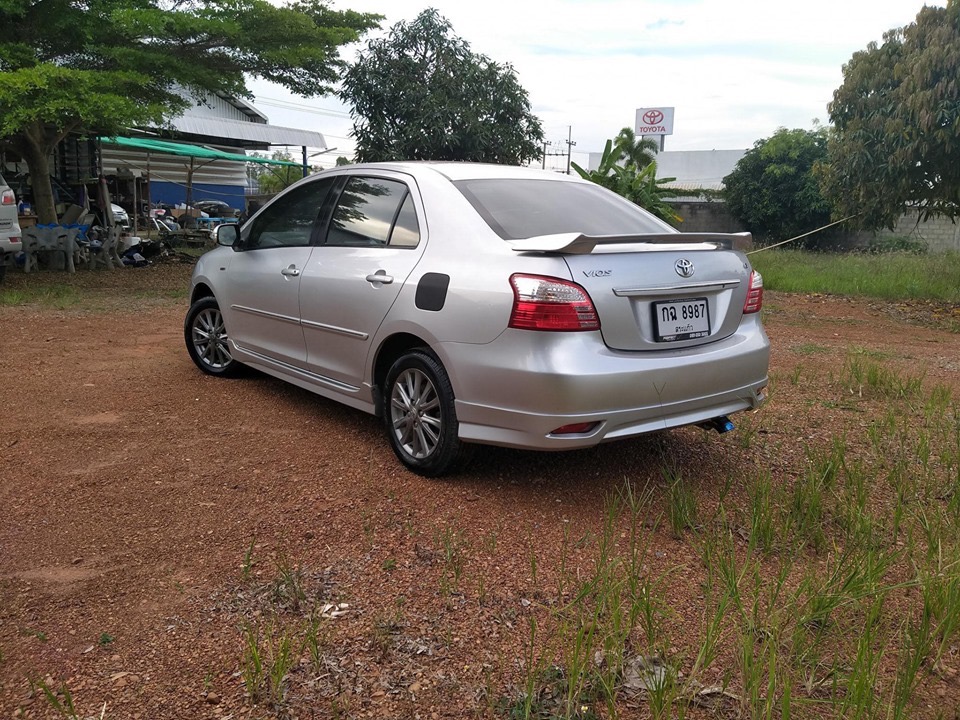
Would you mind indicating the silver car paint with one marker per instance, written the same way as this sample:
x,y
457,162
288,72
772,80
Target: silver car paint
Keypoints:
x,y
512,386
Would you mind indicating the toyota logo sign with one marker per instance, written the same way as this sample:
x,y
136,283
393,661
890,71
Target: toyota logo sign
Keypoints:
x,y
653,117
654,121
684,267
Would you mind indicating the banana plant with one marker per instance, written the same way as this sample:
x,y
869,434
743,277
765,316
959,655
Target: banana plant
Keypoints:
x,y
639,186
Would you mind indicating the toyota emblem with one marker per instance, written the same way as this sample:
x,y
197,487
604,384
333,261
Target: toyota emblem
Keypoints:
x,y
684,267
653,117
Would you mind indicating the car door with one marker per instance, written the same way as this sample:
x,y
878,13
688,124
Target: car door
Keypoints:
x,y
262,303
372,242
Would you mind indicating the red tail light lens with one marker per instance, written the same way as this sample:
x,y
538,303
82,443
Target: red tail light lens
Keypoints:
x,y
754,300
546,303
575,429
8,198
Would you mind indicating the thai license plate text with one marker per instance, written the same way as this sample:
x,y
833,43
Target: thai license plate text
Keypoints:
x,y
685,319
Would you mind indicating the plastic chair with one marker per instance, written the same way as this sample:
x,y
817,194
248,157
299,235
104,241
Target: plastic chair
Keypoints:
x,y
106,252
52,240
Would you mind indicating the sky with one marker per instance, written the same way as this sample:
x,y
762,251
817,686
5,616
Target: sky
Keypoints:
x,y
734,71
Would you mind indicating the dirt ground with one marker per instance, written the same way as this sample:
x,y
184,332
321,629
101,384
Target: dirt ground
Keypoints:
x,y
150,514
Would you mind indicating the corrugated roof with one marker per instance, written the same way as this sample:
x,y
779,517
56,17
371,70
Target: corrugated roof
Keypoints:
x,y
253,113
249,132
693,185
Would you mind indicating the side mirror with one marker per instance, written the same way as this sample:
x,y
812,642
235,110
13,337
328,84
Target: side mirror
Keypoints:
x,y
227,234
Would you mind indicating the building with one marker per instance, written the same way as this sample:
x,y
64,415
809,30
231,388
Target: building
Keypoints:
x,y
139,177
228,124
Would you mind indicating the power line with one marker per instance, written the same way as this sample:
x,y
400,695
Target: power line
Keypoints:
x,y
300,107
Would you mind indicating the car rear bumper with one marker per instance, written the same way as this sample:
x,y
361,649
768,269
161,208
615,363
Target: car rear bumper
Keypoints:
x,y
518,389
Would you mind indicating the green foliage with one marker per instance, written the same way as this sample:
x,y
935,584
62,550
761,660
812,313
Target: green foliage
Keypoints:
x,y
74,67
637,183
421,94
637,151
274,178
896,244
896,139
774,191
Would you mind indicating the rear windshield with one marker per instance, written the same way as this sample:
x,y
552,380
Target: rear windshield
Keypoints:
x,y
516,209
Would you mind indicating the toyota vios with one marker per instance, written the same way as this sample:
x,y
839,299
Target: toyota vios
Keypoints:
x,y
477,304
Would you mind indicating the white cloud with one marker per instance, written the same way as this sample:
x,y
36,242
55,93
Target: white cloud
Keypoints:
x,y
735,71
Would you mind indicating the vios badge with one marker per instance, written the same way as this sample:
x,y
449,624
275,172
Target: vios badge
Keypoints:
x,y
684,267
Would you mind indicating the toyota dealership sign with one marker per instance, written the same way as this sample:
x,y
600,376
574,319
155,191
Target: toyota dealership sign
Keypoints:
x,y
654,121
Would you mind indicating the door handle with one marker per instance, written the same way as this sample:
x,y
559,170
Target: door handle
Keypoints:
x,y
290,271
381,277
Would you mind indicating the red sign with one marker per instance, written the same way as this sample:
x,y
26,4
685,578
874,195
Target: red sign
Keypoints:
x,y
652,117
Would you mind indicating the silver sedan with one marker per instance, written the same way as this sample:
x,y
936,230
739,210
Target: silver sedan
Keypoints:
x,y
468,303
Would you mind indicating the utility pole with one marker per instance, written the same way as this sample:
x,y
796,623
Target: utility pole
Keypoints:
x,y
570,144
545,143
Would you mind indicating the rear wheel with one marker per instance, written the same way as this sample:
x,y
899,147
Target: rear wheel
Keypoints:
x,y
207,339
3,270
421,421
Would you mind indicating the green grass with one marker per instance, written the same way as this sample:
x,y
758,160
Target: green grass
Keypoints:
x,y
47,294
887,276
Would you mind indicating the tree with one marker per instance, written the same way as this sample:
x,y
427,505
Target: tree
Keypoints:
x,y
638,185
774,190
421,94
101,67
274,178
636,151
896,118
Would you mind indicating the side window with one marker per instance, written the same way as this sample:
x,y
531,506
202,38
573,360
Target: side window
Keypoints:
x,y
290,221
406,230
370,211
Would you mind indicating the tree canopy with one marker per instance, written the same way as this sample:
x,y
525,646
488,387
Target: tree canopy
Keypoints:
x,y
896,117
107,65
774,190
636,151
274,178
421,94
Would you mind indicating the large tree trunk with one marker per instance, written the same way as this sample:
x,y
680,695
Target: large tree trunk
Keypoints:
x,y
36,147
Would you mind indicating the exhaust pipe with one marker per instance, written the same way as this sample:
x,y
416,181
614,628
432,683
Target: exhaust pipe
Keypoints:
x,y
721,424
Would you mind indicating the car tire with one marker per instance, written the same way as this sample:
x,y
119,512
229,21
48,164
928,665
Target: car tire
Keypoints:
x,y
207,341
3,270
420,417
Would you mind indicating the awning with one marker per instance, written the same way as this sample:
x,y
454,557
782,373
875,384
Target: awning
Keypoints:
x,y
191,151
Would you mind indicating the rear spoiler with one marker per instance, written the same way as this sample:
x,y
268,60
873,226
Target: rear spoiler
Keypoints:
x,y
579,244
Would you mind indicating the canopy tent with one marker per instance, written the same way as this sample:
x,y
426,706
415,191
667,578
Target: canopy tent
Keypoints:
x,y
194,152
191,151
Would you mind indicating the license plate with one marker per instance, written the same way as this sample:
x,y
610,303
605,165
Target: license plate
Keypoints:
x,y
685,319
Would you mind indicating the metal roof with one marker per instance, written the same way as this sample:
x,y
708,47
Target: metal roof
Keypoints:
x,y
248,132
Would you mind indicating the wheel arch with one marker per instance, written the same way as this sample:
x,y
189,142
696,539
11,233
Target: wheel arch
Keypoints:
x,y
200,291
388,352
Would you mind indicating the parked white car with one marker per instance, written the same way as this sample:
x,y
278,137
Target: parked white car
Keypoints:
x,y
10,238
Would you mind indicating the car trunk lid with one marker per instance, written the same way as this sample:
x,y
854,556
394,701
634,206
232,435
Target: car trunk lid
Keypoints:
x,y
656,292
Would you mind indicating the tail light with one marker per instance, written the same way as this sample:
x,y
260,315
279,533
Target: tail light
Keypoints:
x,y
545,303
8,198
754,300
13,240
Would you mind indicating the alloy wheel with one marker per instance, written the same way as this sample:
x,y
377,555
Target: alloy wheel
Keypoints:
x,y
415,413
210,339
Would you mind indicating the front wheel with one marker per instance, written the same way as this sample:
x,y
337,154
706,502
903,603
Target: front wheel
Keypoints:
x,y
207,340
420,418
